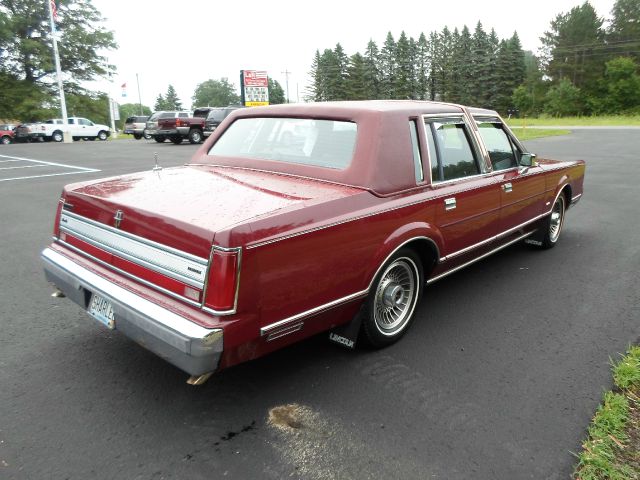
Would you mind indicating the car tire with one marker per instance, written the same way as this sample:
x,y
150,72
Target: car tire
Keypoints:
x,y
176,140
76,139
159,138
137,136
102,135
5,140
195,136
552,226
146,135
57,136
394,294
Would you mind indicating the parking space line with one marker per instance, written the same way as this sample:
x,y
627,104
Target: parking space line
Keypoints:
x,y
22,166
41,163
53,164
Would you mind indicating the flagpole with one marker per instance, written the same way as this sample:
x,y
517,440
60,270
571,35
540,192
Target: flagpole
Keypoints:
x,y
63,103
139,97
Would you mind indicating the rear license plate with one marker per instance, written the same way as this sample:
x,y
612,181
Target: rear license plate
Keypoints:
x,y
102,310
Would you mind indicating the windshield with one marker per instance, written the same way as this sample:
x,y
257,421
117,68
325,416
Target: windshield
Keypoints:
x,y
323,143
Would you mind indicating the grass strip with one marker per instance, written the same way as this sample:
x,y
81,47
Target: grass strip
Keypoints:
x,y
596,121
531,133
612,448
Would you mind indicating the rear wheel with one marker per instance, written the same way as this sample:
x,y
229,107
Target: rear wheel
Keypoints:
x,y
159,138
5,140
394,294
195,136
57,136
137,136
146,135
102,135
176,140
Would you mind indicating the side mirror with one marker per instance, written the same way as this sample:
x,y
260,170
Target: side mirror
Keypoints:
x,y
528,160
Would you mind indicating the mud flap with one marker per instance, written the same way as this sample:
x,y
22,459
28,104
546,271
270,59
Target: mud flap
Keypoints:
x,y
347,335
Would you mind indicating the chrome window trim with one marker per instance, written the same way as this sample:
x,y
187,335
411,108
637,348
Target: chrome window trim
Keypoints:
x,y
129,275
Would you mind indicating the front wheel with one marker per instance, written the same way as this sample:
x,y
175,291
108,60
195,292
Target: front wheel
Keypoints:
x,y
137,136
554,222
5,140
394,294
159,138
146,134
102,135
57,136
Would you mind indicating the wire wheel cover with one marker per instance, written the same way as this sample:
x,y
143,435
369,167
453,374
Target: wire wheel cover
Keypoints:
x,y
395,296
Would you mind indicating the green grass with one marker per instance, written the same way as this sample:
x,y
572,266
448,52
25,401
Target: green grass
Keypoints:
x,y
611,450
530,133
599,121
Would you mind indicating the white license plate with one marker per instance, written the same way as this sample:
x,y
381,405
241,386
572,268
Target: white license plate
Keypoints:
x,y
102,310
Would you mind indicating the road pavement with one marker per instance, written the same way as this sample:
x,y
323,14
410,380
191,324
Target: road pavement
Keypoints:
x,y
497,378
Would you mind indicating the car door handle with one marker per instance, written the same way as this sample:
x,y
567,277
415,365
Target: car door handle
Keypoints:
x,y
507,187
449,203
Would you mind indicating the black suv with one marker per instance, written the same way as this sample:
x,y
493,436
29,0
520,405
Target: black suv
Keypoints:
x,y
215,117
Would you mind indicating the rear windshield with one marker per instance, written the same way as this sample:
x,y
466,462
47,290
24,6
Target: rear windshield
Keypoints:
x,y
130,120
217,114
322,143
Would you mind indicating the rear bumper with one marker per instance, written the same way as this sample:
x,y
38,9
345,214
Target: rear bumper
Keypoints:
x,y
188,346
170,132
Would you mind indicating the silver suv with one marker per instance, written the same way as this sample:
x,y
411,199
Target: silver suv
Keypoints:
x,y
152,123
136,126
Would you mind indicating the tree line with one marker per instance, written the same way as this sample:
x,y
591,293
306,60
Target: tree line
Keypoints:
x,y
583,67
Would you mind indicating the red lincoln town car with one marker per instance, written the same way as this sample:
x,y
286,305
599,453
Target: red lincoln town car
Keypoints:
x,y
292,220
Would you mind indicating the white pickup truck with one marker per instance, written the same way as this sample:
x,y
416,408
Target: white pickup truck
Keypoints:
x,y
78,127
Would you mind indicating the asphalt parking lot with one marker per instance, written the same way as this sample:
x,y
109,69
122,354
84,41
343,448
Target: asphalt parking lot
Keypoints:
x,y
497,379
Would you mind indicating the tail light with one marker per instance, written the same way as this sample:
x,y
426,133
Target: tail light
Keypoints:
x,y
56,222
223,279
178,122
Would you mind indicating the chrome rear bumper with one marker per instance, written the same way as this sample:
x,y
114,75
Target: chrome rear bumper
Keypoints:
x,y
188,346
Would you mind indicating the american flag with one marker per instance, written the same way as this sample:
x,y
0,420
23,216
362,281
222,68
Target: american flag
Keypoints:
x,y
54,10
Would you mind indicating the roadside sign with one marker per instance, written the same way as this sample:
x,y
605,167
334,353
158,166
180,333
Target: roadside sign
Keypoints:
x,y
254,87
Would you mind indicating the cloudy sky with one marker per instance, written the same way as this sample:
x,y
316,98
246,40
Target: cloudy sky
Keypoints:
x,y
186,42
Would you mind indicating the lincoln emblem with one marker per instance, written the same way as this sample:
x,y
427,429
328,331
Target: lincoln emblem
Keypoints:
x,y
118,218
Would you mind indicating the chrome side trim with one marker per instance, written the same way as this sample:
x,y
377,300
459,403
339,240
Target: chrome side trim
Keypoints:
x,y
495,237
170,262
287,325
128,275
145,307
575,198
460,267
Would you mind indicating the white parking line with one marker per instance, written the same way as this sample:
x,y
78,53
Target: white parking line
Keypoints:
x,y
22,166
42,163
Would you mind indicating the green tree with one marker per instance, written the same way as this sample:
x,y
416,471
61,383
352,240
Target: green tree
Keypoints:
x,y
463,60
371,79
523,100
93,105
276,93
356,78
25,41
316,90
132,109
623,85
479,63
574,47
623,34
422,68
404,73
215,93
563,99
388,68
23,101
161,103
171,99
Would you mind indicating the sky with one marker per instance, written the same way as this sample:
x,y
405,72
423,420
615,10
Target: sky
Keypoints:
x,y
187,42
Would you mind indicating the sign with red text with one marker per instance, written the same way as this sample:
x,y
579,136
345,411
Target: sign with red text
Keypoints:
x,y
255,88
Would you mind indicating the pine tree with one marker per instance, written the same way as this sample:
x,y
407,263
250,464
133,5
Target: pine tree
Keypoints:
x,y
445,64
422,68
356,87
404,69
623,34
315,90
372,70
435,48
482,52
491,88
464,64
388,68
342,63
171,99
160,104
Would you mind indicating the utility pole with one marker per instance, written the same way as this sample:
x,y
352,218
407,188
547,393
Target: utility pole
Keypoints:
x,y
63,103
286,76
139,97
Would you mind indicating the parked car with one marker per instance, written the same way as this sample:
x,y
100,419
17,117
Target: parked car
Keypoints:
x,y
136,126
215,118
258,242
78,127
152,123
22,133
179,128
6,133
